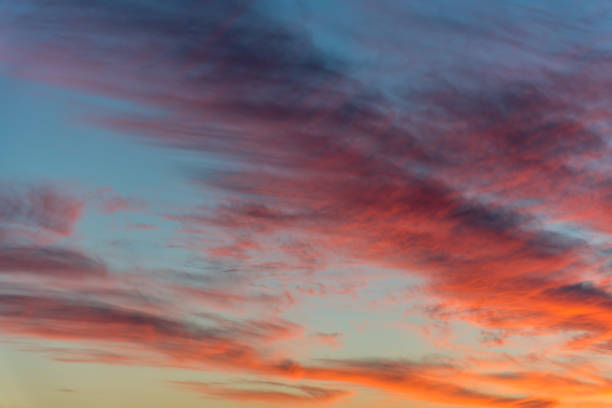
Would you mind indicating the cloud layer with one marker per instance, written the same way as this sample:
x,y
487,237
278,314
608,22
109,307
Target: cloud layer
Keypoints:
x,y
486,179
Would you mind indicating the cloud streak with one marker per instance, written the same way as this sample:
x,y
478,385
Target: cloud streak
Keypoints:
x,y
301,394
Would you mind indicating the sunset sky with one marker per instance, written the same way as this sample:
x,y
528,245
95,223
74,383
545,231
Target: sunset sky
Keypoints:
x,y
325,203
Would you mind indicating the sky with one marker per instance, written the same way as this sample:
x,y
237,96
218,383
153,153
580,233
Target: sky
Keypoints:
x,y
345,203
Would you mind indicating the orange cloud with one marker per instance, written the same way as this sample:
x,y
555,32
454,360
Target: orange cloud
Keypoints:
x,y
283,394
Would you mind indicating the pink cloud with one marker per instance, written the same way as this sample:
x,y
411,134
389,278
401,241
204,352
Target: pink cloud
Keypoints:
x,y
38,213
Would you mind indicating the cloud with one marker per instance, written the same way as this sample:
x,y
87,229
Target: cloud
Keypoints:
x,y
36,211
141,227
131,336
235,300
425,382
49,261
109,201
214,341
488,180
332,339
283,394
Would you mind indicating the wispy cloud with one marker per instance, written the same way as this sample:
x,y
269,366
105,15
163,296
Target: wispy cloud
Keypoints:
x,y
284,393
36,212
